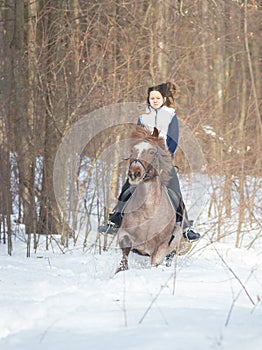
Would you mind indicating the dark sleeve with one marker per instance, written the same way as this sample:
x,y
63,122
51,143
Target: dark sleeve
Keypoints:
x,y
172,135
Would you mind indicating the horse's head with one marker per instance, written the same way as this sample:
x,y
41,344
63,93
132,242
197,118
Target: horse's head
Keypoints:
x,y
143,162
149,156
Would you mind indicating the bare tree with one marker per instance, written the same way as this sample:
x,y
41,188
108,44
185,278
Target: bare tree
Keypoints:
x,y
64,59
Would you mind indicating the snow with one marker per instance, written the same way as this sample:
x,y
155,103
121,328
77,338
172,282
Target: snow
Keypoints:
x,y
209,130
209,300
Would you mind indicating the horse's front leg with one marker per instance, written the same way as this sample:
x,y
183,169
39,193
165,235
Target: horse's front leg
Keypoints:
x,y
124,261
126,245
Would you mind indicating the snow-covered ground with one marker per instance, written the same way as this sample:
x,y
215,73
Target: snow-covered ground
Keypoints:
x,y
74,300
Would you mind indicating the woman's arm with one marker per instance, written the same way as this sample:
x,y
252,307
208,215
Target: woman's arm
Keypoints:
x,y
172,135
139,121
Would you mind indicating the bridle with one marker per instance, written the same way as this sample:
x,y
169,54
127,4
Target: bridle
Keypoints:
x,y
147,170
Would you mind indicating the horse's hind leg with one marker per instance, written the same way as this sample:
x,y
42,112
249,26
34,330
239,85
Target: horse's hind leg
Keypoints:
x,y
125,245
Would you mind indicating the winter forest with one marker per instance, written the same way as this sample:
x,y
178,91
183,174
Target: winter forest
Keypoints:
x,y
73,78
61,60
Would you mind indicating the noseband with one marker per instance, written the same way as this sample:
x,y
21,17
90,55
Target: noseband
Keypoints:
x,y
147,176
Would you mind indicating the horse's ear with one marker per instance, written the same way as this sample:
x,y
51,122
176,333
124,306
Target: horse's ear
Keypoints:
x,y
155,132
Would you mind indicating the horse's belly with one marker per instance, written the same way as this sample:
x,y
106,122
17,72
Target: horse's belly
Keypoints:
x,y
144,248
146,244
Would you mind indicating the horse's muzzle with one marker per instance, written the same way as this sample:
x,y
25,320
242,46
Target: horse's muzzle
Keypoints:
x,y
136,173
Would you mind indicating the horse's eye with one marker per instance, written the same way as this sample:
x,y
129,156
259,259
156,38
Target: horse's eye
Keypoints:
x,y
152,152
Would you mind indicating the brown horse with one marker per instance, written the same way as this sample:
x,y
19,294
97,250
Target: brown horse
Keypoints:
x,y
149,223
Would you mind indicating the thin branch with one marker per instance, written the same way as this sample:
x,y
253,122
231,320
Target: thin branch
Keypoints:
x,y
124,300
152,303
155,298
235,299
234,274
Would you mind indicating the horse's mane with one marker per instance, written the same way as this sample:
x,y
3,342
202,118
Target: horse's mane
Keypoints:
x,y
142,133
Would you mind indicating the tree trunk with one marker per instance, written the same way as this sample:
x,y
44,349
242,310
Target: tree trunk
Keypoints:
x,y
24,117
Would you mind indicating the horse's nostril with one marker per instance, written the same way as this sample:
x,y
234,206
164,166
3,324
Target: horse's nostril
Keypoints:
x,y
138,174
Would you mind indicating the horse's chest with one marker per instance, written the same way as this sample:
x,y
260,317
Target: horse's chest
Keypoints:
x,y
148,222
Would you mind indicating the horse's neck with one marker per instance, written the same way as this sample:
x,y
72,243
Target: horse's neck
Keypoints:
x,y
149,191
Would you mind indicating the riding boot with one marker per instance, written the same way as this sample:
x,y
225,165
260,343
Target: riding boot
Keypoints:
x,y
116,217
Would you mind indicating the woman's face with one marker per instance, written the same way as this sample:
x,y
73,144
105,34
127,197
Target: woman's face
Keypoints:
x,y
156,100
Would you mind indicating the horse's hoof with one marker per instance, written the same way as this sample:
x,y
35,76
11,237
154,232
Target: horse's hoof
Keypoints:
x,y
122,267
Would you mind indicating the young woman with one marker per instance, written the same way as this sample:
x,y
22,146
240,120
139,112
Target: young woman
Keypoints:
x,y
160,114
